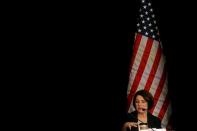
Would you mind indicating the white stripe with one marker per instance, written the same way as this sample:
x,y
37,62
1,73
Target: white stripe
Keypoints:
x,y
135,35
157,77
161,100
136,63
145,77
135,67
147,70
131,108
149,64
166,117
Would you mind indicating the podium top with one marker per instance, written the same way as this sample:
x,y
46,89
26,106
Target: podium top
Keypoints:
x,y
154,129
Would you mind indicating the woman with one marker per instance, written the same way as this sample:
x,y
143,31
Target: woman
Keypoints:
x,y
142,102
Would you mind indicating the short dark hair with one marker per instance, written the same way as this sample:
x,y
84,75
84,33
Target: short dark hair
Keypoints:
x,y
147,97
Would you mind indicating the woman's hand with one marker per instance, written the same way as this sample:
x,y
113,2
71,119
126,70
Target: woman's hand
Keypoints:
x,y
130,124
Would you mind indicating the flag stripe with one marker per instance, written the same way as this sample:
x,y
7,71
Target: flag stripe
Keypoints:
x,y
138,38
147,68
159,90
167,115
141,67
138,57
164,107
161,99
158,75
169,119
153,69
149,65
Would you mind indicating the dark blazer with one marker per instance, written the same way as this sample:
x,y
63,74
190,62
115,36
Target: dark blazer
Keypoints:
x,y
153,121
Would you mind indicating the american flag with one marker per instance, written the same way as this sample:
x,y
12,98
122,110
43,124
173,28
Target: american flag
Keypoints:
x,y
148,68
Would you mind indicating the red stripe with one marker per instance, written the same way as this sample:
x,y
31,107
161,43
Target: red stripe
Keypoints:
x,y
135,49
140,70
164,107
159,89
153,69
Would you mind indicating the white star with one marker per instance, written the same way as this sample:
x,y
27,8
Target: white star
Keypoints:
x,y
139,30
151,30
138,24
144,7
148,18
143,1
146,33
146,12
150,24
151,10
143,21
153,15
153,36
141,15
144,27
149,4
154,21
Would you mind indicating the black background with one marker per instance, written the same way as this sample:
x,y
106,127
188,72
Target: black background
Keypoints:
x,y
72,65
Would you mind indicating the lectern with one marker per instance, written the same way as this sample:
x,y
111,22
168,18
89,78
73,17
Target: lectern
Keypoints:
x,y
153,129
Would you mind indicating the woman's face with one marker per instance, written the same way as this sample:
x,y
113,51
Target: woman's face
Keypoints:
x,y
141,104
